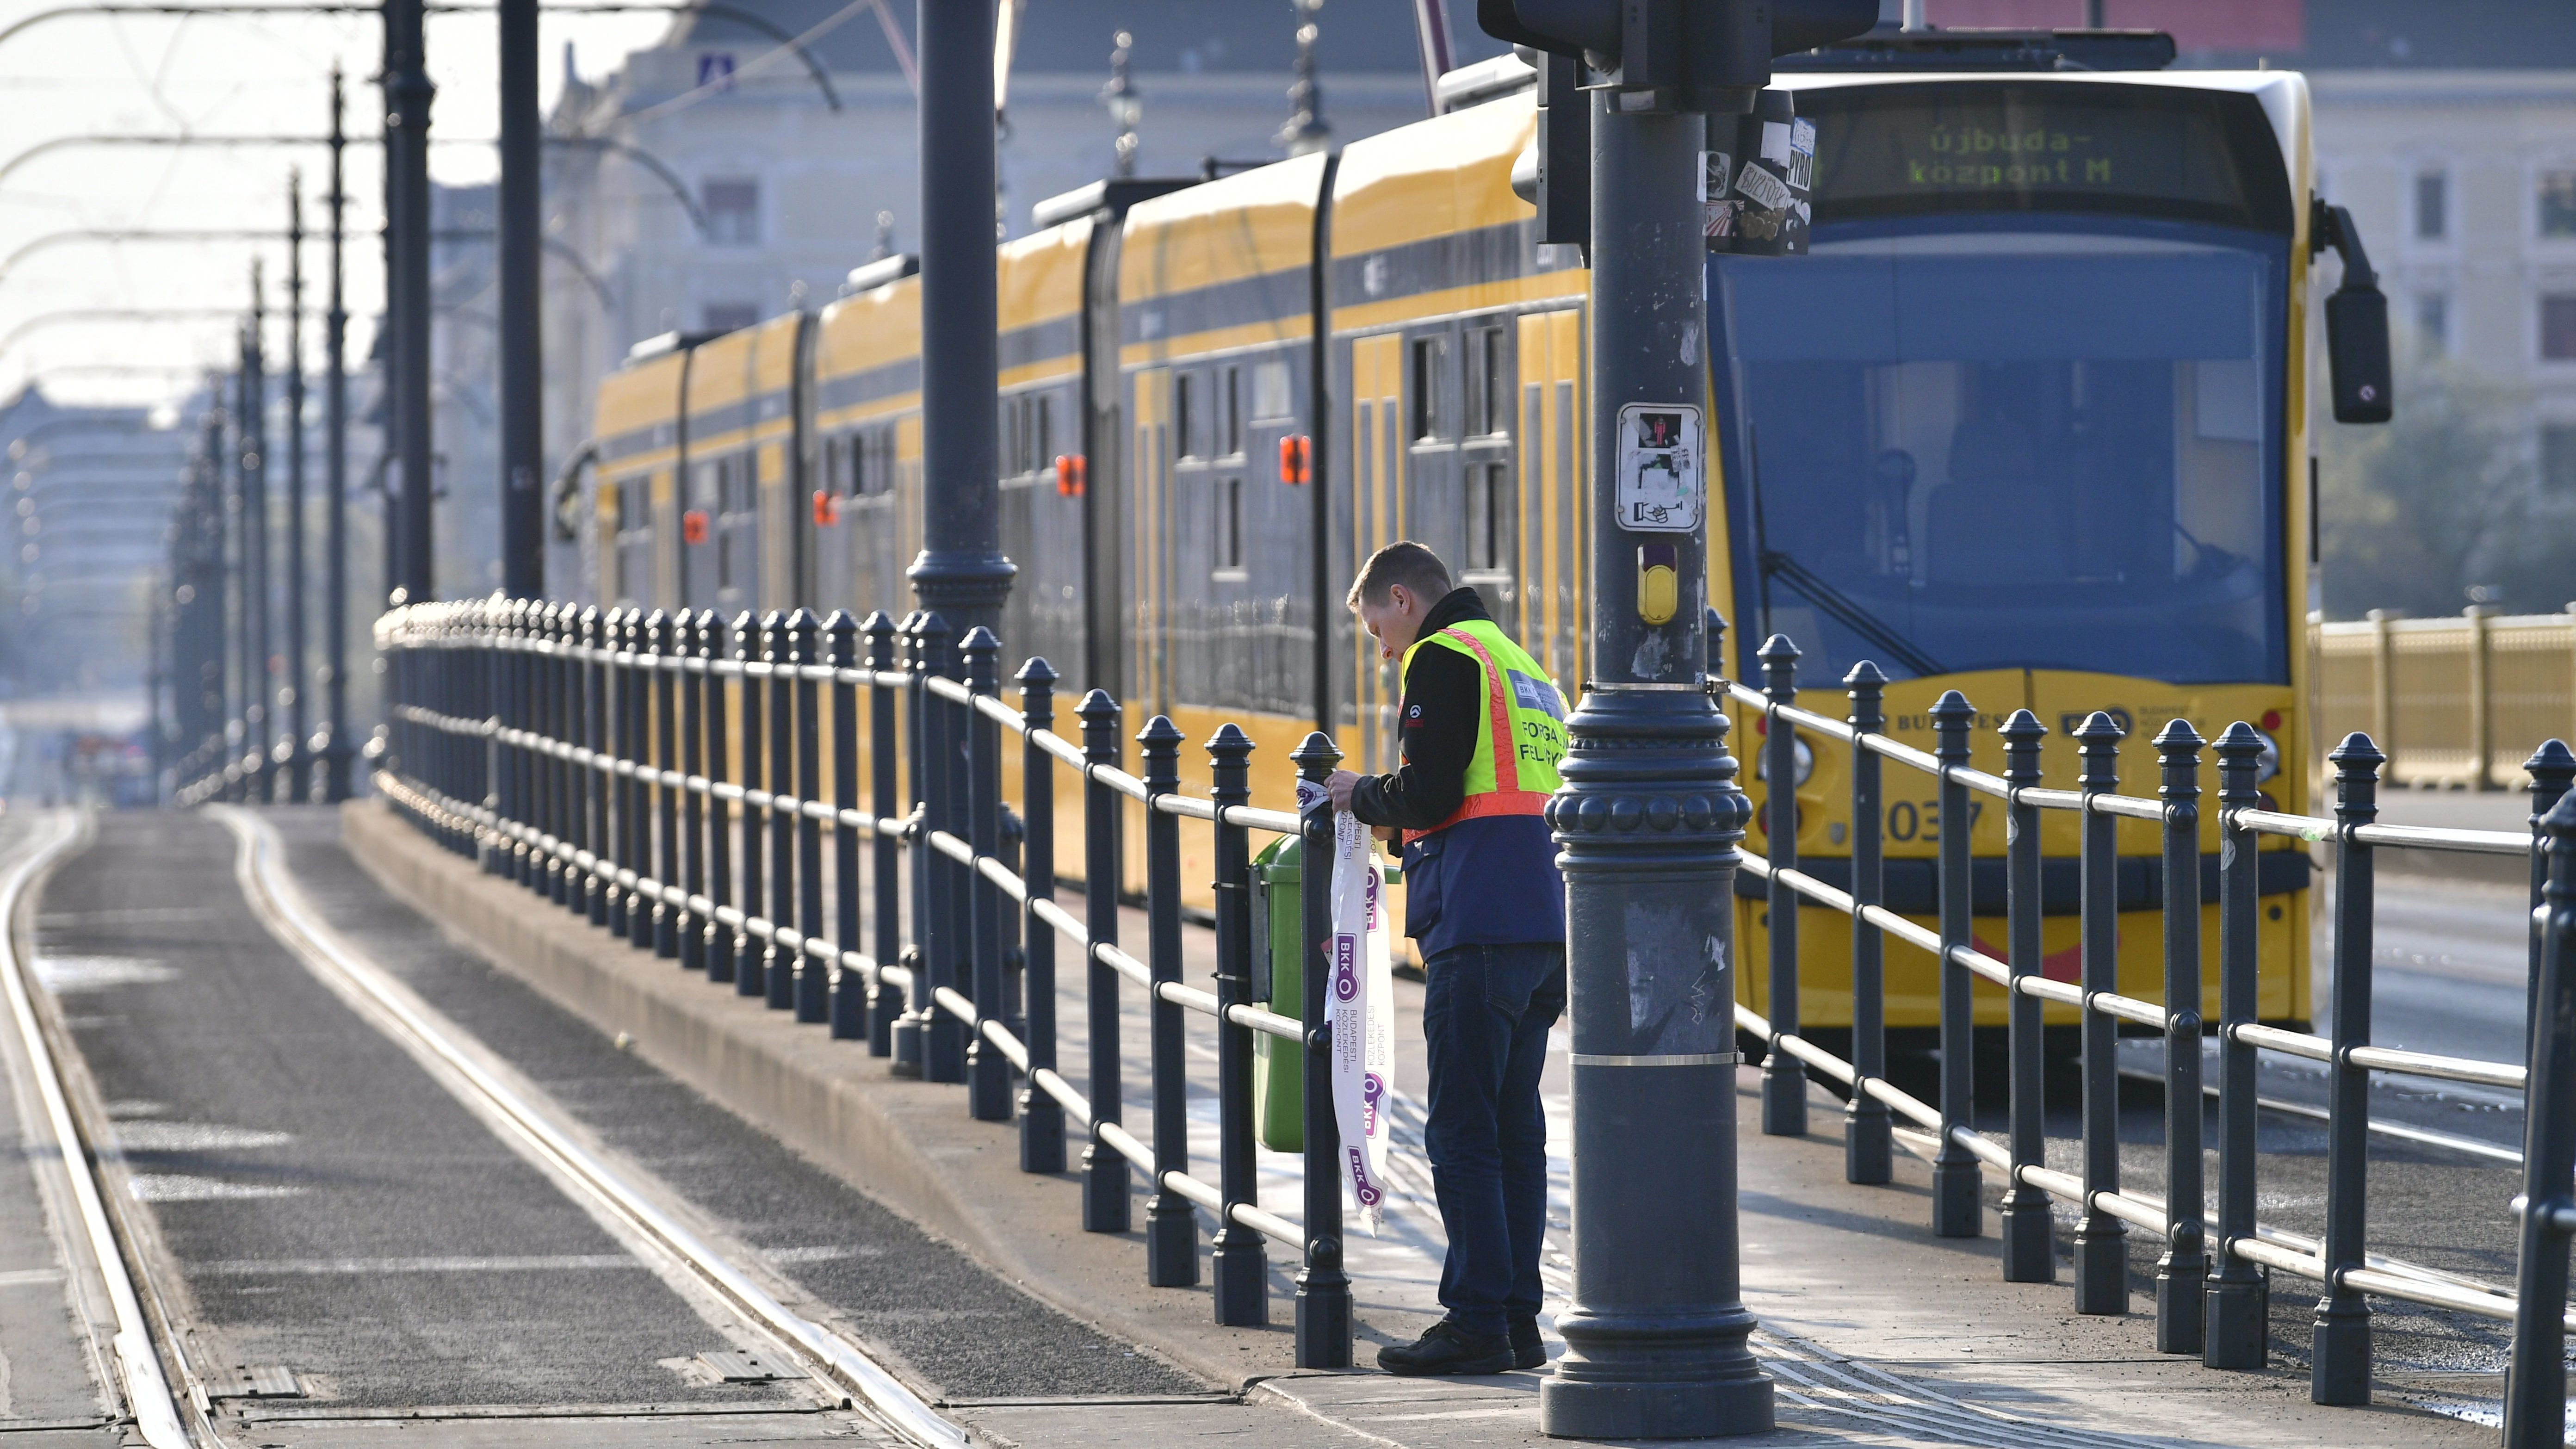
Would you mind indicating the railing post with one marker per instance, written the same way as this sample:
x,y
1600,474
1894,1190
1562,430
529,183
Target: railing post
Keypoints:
x,y
1323,1288
849,1004
2535,1401
690,633
2383,680
945,939
910,1029
554,715
2481,696
2552,769
988,1072
2340,1370
1041,1116
1242,1297
483,664
2239,1323
2101,1240
813,973
2183,1269
885,853
670,641
518,800
636,852
528,768
1784,1077
1867,1148
2029,1239
1171,1220
723,942
1104,1168
599,630
779,963
1958,1210
750,975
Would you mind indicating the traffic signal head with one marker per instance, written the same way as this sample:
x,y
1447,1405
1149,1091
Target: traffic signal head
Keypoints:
x,y
1678,55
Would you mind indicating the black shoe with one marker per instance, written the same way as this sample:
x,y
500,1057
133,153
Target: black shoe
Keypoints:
x,y
1529,1351
1448,1349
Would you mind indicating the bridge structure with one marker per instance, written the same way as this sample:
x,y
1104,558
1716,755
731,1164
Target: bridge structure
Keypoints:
x,y
858,851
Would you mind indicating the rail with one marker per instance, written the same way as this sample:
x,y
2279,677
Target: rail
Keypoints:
x,y
665,777
2210,1293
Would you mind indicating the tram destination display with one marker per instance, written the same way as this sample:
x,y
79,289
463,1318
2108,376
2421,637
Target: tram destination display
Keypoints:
x,y
1988,146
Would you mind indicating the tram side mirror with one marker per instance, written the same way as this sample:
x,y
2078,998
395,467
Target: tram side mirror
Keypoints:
x,y
2357,354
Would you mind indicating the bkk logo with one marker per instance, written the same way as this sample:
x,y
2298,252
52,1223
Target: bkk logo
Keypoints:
x,y
1346,979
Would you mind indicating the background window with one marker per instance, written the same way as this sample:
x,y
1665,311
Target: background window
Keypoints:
x,y
1430,385
733,211
1229,524
2432,206
1185,433
1489,392
2558,459
2433,322
2558,204
2558,328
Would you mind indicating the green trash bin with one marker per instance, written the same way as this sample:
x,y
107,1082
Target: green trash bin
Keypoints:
x,y
1279,983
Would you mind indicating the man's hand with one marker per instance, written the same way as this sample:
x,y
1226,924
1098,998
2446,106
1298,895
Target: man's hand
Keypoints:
x,y
1340,786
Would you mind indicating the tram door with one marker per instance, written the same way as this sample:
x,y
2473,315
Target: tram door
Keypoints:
x,y
1378,518
1552,494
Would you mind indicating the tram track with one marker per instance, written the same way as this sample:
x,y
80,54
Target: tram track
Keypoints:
x,y
546,1134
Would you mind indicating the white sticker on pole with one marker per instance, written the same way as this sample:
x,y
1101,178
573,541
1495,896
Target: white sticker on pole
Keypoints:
x,y
1662,478
1360,1009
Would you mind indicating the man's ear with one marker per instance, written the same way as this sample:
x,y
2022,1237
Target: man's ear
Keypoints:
x,y
1399,598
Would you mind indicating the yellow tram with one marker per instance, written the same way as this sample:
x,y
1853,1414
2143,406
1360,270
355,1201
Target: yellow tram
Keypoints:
x,y
2030,422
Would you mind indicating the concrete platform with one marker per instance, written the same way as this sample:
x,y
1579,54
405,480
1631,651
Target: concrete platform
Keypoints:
x,y
1876,1332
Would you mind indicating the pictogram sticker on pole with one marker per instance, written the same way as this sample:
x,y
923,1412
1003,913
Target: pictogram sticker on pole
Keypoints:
x,y
1662,476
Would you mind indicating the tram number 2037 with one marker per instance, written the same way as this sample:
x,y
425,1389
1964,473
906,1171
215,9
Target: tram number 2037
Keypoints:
x,y
1908,821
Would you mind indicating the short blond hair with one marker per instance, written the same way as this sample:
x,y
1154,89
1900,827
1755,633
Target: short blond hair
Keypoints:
x,y
1404,562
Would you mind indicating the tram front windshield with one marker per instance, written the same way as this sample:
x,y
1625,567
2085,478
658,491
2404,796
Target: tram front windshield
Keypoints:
x,y
2015,450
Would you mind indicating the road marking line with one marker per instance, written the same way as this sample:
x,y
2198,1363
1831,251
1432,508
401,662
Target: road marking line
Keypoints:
x,y
318,1267
147,1385
280,904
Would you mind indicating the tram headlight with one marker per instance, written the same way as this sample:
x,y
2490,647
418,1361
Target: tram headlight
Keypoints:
x,y
1806,762
2267,764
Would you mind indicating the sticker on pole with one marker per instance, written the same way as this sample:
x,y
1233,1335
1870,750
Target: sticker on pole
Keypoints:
x,y
1360,1005
1662,478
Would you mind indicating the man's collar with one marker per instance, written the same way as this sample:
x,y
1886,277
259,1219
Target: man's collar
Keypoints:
x,y
1455,607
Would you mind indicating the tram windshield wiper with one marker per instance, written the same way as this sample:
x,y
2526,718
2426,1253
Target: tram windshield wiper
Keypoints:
x,y
1848,612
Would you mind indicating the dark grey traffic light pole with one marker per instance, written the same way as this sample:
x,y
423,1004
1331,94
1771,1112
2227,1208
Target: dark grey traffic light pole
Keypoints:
x,y
960,574
332,741
1648,820
289,753
407,96
523,539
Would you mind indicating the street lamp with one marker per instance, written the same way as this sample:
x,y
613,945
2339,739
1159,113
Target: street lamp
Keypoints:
x,y
1126,105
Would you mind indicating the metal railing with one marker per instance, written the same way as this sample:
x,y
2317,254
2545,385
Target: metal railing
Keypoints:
x,y
2211,1286
2448,698
585,754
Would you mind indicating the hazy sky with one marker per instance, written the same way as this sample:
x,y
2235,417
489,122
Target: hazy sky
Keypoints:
x,y
210,76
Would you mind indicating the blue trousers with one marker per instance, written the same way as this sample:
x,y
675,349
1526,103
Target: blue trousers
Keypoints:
x,y
1484,1026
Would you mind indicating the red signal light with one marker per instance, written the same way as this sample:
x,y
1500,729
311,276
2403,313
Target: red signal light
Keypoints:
x,y
1070,474
693,526
827,510
2271,719
1296,461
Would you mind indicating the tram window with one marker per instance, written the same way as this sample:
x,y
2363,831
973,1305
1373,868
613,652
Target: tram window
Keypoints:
x,y
1489,384
1271,394
1184,430
1430,382
1229,404
1229,525
1041,433
1489,528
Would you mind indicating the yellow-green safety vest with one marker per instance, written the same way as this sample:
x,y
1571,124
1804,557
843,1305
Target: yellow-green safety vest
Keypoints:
x,y
1522,706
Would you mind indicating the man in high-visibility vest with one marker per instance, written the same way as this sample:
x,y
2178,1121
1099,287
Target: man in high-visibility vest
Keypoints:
x,y
1481,728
